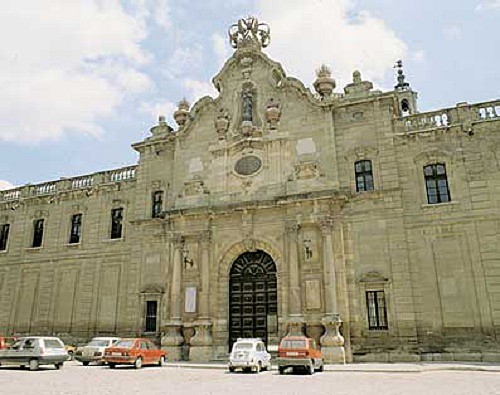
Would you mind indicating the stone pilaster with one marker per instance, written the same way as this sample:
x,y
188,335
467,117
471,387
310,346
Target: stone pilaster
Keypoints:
x,y
332,342
201,342
295,301
172,339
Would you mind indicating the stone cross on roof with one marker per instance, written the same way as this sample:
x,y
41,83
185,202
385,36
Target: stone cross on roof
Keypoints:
x,y
249,33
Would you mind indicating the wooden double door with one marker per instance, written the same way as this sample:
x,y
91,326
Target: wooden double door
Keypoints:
x,y
252,296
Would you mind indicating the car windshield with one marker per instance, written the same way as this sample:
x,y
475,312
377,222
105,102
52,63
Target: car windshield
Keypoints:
x,y
124,343
98,343
52,343
16,345
290,344
243,346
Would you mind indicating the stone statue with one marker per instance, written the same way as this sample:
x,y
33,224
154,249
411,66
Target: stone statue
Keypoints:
x,y
247,112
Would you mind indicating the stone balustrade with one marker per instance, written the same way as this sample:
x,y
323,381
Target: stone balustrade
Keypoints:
x,y
462,113
66,184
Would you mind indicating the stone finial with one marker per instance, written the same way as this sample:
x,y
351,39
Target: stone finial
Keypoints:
x,y
162,127
402,85
249,33
181,115
222,123
358,87
324,84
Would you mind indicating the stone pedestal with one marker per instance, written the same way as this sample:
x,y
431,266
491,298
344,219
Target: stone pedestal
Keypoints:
x,y
295,326
172,340
332,342
201,342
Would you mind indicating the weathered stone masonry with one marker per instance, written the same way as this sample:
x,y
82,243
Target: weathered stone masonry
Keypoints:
x,y
353,218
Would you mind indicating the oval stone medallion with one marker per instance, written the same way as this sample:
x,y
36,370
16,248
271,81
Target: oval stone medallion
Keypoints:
x,y
248,165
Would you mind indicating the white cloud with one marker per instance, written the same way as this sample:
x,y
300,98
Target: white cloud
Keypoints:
x,y
162,14
165,108
486,5
184,60
4,185
306,34
221,48
452,32
64,65
198,89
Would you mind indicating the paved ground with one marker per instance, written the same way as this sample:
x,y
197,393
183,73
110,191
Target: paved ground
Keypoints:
x,y
75,379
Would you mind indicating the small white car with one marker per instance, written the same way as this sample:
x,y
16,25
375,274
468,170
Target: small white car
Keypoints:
x,y
94,350
249,355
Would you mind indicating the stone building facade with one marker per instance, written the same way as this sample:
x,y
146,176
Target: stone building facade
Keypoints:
x,y
272,209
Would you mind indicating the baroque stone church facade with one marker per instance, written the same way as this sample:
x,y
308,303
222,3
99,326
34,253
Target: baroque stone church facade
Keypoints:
x,y
350,217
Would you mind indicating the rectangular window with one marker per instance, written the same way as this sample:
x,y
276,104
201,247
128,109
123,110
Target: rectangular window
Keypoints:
x,y
436,183
151,315
4,236
377,312
364,175
76,229
157,206
37,233
116,223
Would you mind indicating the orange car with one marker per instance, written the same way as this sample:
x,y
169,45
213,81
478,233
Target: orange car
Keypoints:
x,y
136,352
299,352
5,342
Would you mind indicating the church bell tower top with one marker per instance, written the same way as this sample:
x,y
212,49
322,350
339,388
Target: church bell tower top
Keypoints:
x,y
249,33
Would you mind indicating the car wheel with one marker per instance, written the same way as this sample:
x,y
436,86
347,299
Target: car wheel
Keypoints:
x,y
231,369
161,362
34,364
58,365
138,363
281,369
85,363
112,365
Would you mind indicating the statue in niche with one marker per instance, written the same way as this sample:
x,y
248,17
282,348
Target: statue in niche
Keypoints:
x,y
247,113
188,261
308,249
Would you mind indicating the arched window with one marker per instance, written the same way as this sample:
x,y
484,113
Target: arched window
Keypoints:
x,y
405,108
364,175
436,182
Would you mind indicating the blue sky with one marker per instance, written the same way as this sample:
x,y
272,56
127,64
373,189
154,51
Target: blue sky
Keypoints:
x,y
83,80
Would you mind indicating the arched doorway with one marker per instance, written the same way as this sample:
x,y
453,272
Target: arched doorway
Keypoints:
x,y
253,301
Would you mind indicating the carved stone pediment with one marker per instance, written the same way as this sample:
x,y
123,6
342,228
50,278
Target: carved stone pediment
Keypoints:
x,y
373,277
152,289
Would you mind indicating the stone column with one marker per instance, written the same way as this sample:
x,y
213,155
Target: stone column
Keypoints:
x,y
295,321
332,342
201,342
172,339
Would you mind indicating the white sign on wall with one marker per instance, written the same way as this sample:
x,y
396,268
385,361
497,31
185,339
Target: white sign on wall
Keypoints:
x,y
190,300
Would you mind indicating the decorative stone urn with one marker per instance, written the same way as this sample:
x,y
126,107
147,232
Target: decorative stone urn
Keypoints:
x,y
273,113
201,342
332,342
222,124
181,115
172,340
324,84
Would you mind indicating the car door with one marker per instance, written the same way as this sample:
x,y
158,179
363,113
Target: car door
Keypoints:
x,y
145,352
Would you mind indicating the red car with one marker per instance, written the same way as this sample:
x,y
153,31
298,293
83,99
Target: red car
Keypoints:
x,y
6,342
136,352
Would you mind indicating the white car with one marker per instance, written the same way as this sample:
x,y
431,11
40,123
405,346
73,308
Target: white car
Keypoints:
x,y
94,350
249,355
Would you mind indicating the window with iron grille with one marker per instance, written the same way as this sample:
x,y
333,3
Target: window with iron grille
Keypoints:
x,y
436,183
157,206
116,223
364,175
377,312
4,236
151,315
37,233
76,229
